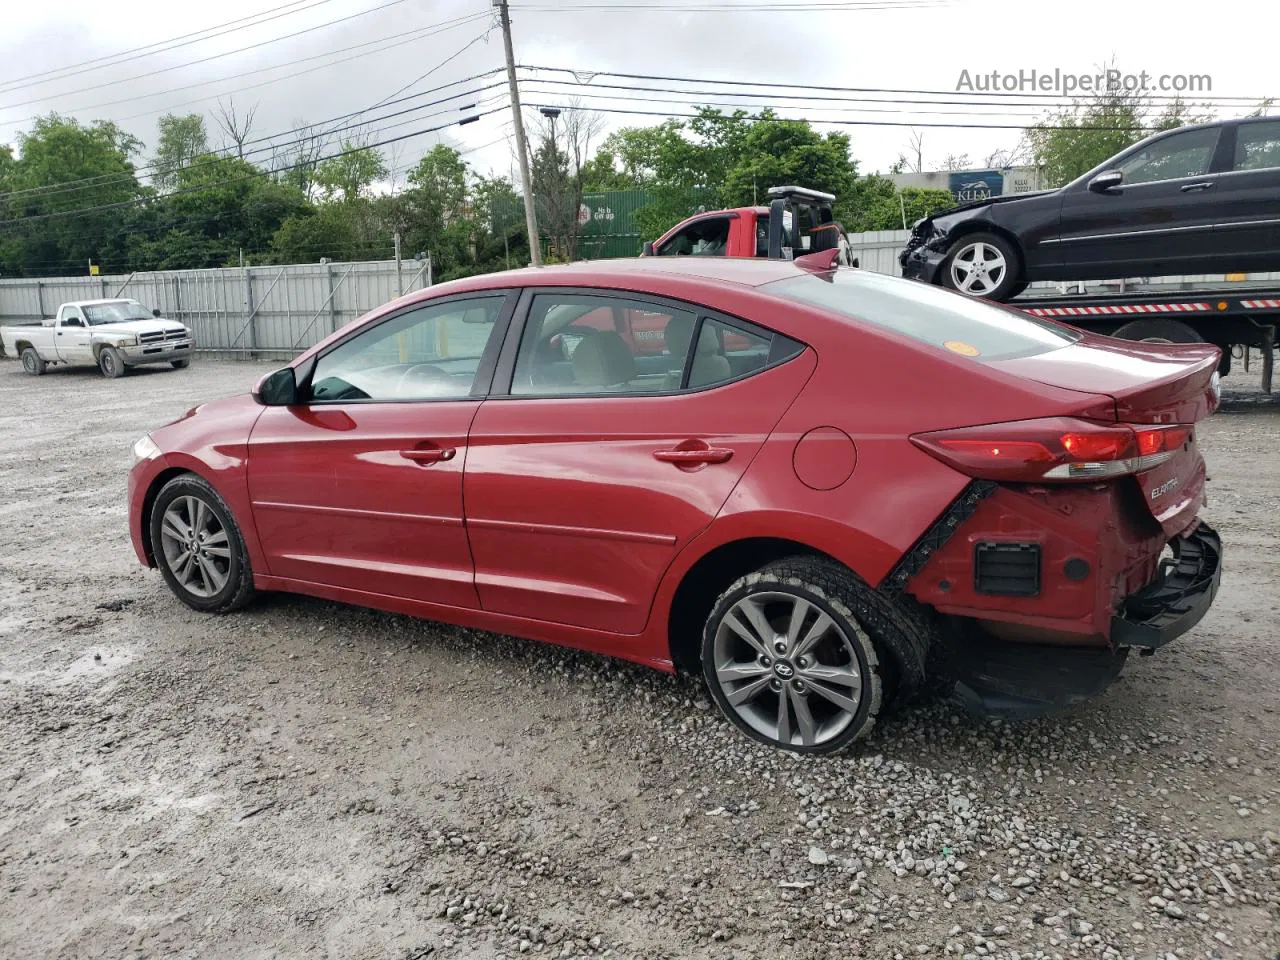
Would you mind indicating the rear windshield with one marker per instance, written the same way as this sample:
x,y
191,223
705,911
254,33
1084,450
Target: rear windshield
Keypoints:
x,y
950,321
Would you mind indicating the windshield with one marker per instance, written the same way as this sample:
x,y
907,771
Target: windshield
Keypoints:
x,y
940,318
119,311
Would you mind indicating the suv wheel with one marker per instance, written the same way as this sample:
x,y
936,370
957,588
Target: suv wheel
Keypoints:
x,y
982,265
198,547
788,660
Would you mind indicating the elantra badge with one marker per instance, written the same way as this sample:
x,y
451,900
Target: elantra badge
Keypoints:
x,y
1167,487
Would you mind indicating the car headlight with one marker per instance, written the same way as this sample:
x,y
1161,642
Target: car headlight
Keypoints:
x,y
127,342
144,448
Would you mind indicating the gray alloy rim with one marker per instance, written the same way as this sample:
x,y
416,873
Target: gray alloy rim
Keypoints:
x,y
108,363
28,361
978,268
787,669
196,547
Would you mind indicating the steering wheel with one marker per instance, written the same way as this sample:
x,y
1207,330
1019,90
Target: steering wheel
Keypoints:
x,y
421,373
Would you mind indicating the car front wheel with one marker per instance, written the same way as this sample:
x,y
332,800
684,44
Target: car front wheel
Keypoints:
x,y
982,265
198,547
788,660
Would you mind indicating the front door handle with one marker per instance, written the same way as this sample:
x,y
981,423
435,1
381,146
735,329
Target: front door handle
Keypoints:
x,y
694,456
1189,187
426,456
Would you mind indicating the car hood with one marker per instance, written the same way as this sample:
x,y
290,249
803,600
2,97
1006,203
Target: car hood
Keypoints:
x,y
969,208
139,327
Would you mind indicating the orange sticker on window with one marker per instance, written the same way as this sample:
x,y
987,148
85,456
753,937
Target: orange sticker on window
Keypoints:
x,y
962,348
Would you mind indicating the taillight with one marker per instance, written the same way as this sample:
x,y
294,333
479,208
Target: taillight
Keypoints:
x,y
1055,448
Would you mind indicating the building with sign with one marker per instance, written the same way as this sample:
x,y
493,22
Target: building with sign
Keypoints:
x,y
967,186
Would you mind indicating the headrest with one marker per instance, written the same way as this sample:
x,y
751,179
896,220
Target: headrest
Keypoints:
x,y
603,360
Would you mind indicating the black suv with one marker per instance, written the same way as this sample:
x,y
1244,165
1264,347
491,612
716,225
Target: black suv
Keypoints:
x,y
1198,199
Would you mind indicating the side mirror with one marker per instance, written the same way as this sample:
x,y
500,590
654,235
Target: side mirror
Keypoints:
x,y
155,312
1106,181
647,249
277,389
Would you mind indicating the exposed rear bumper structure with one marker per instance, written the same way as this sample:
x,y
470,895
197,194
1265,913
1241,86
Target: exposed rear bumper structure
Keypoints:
x,y
1179,597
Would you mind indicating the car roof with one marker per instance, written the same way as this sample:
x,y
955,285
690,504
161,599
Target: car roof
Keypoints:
x,y
94,303
744,271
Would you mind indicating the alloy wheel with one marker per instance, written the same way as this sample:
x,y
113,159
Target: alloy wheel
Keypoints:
x,y
978,268
787,669
196,547
28,361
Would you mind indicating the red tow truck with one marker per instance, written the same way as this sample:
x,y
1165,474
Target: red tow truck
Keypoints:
x,y
796,222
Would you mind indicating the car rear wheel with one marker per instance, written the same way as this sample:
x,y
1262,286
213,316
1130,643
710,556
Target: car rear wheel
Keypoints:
x,y
32,362
788,659
110,363
982,265
198,547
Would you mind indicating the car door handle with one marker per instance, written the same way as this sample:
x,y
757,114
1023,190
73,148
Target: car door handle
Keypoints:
x,y
1203,185
696,456
426,456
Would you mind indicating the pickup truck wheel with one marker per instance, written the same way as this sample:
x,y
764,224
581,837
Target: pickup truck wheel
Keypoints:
x,y
32,362
198,547
110,363
982,265
788,660
180,364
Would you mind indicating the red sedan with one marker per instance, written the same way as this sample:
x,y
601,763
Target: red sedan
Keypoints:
x,y
816,487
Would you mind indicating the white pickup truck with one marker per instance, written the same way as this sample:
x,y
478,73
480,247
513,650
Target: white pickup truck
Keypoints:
x,y
112,335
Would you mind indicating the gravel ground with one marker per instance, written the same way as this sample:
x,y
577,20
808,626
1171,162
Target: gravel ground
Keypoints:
x,y
308,779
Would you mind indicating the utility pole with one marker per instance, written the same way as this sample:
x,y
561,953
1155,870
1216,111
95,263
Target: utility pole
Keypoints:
x,y
395,237
530,218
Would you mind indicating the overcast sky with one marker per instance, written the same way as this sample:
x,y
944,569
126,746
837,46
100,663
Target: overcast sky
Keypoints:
x,y
918,45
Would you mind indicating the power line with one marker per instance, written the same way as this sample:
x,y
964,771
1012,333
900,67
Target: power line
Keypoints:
x,y
270,140
817,97
578,74
400,37
260,173
842,122
216,56
136,53
697,100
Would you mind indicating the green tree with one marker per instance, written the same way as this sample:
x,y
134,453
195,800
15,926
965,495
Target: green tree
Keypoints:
x,y
182,139
64,167
349,175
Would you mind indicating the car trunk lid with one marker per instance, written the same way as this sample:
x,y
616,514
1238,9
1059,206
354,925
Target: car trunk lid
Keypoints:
x,y
1148,383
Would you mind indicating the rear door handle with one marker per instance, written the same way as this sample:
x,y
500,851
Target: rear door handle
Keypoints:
x,y
695,456
1189,187
425,456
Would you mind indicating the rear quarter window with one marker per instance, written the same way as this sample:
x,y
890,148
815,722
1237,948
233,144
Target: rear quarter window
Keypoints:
x,y
961,325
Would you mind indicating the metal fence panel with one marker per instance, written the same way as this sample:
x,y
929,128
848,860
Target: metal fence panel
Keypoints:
x,y
269,311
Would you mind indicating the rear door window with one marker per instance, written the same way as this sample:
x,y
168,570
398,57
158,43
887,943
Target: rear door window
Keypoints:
x,y
1257,146
940,318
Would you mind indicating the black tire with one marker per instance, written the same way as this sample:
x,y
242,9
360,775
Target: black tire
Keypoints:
x,y
180,364
1003,284
866,632
110,363
1017,289
238,589
1158,331
32,362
